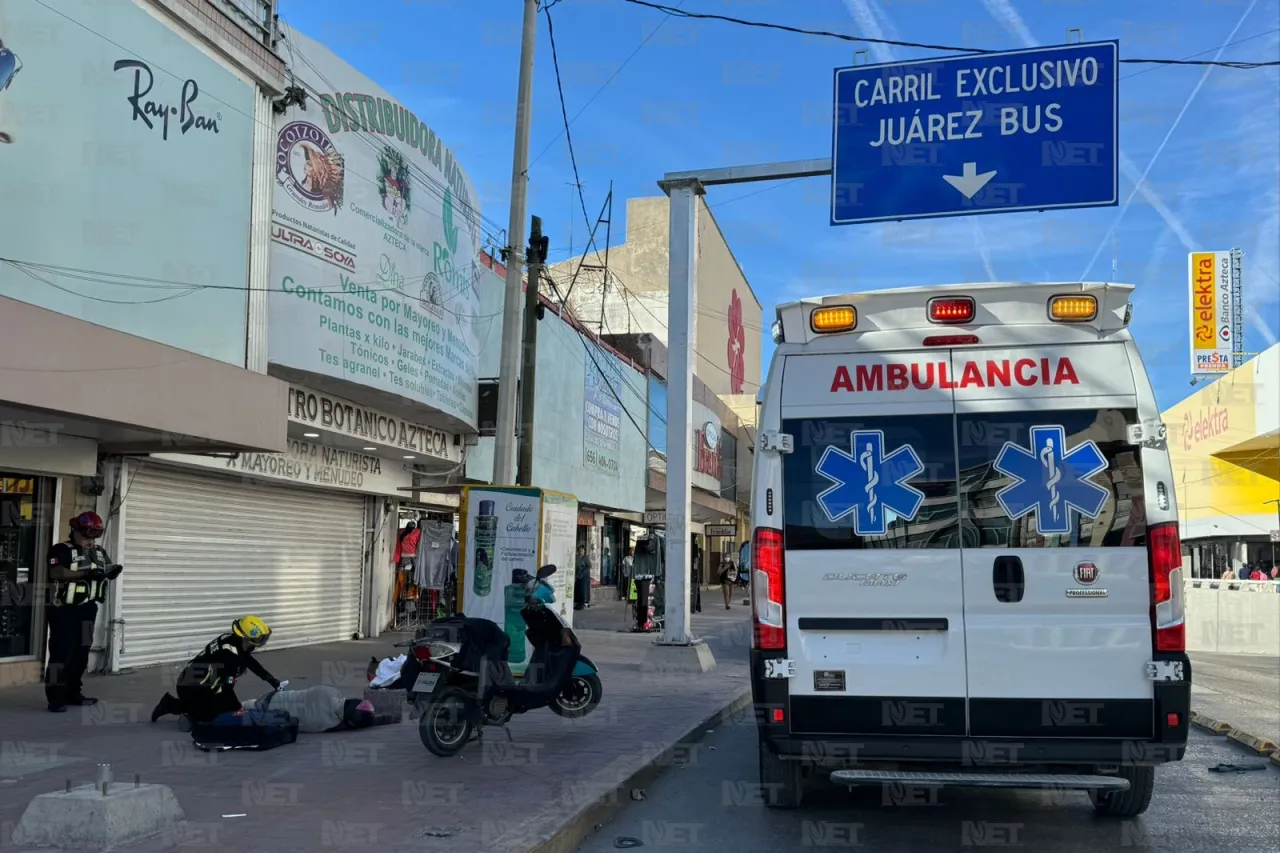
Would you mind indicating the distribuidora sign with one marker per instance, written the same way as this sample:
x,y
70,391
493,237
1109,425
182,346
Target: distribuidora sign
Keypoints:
x,y
375,239
1210,277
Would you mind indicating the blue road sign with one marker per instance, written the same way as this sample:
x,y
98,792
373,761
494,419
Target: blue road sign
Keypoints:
x,y
1051,480
869,484
992,133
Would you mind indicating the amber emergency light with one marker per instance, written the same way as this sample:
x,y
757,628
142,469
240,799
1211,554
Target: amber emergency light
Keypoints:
x,y
835,318
1073,309
951,309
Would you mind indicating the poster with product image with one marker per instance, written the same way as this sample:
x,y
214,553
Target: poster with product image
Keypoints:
x,y
559,540
501,534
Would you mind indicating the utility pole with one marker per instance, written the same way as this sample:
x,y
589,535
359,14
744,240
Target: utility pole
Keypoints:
x,y
537,256
504,450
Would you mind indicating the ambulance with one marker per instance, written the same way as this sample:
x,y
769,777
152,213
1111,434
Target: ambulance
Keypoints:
x,y
966,568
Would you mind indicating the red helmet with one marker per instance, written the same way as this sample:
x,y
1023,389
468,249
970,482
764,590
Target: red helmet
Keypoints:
x,y
88,524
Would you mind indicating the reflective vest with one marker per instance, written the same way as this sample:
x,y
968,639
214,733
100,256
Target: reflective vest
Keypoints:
x,y
202,673
82,591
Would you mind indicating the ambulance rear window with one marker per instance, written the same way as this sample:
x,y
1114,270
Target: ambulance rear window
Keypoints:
x,y
871,482
1070,479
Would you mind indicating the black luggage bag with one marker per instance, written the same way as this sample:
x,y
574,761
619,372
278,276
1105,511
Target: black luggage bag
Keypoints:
x,y
258,730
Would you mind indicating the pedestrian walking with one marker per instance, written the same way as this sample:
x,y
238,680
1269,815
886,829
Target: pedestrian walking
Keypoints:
x,y
728,576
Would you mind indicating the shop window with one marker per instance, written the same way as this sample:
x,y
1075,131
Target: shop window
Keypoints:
x,y
26,511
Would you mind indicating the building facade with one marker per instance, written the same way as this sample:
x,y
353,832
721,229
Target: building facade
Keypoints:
x,y
627,294
369,323
589,429
134,231
1224,441
722,447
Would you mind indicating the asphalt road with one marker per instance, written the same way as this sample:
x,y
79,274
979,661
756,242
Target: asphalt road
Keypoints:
x,y
704,806
1243,690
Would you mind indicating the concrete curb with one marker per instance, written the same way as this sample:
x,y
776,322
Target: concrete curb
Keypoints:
x,y
562,827
1254,743
1211,725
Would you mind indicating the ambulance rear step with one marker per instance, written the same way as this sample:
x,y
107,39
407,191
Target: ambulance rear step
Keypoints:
x,y
1054,781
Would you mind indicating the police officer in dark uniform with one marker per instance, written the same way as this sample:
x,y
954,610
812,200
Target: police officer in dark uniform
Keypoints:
x,y
78,572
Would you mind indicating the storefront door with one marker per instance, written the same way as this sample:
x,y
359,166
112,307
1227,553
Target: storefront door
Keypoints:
x,y
26,530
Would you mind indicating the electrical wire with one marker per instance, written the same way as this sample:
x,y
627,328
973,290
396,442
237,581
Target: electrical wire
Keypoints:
x,y
676,12
605,84
564,113
99,277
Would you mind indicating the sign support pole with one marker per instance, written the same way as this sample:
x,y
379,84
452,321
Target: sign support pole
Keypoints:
x,y
681,310
683,189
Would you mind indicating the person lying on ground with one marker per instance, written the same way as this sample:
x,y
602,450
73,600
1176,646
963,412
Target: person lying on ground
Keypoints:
x,y
321,709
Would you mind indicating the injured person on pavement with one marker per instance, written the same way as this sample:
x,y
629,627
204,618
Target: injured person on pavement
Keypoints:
x,y
321,709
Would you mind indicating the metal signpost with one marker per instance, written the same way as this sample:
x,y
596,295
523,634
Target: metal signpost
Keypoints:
x,y
992,133
1021,130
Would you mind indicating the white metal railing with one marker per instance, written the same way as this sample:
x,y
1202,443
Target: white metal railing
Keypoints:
x,y
1233,585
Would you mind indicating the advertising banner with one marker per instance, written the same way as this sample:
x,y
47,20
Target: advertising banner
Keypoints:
x,y
504,530
375,241
1212,312
126,154
601,412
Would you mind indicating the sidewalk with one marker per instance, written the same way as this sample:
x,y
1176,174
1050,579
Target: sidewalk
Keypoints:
x,y
376,789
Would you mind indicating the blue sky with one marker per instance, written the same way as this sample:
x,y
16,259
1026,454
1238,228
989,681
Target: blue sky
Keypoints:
x,y
691,94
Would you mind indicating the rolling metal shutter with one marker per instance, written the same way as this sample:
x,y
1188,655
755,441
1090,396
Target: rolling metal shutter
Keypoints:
x,y
202,549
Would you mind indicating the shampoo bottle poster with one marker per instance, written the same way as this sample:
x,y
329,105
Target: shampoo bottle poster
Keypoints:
x,y
502,537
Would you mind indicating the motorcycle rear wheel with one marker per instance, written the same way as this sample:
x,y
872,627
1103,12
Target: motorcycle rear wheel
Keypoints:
x,y
445,725
580,697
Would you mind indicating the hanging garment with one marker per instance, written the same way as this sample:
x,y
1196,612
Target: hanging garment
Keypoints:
x,y
434,547
650,554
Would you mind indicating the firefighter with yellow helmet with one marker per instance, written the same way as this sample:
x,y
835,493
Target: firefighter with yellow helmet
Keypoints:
x,y
206,687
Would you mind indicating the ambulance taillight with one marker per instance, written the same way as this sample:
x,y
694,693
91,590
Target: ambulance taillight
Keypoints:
x,y
769,632
951,309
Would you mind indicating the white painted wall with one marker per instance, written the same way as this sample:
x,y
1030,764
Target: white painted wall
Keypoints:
x,y
1244,620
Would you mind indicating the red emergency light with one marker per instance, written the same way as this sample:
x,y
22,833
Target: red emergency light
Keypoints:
x,y
951,309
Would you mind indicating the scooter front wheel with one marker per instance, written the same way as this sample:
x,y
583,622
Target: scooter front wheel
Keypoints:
x,y
580,696
445,725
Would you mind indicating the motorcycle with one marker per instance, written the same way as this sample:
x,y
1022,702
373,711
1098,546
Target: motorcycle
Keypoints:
x,y
461,681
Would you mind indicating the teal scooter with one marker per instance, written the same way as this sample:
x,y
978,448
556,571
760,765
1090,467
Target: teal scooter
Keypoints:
x,y
455,701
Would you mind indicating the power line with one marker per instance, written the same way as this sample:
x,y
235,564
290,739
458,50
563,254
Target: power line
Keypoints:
x,y
606,83
766,25
30,268
564,113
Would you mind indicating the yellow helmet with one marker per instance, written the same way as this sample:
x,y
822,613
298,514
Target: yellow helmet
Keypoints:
x,y
252,629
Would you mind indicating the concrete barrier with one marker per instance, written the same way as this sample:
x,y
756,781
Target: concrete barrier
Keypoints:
x,y
1233,617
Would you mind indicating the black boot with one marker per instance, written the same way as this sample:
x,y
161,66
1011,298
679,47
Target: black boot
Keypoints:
x,y
166,706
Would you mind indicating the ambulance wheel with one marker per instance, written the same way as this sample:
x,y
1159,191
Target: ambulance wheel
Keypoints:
x,y
781,781
445,725
1130,803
